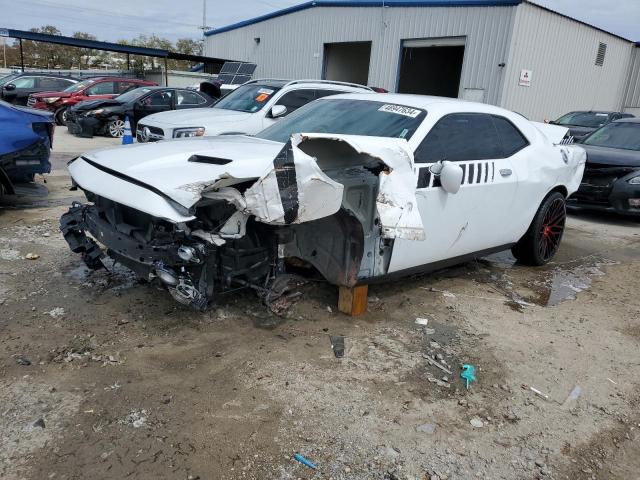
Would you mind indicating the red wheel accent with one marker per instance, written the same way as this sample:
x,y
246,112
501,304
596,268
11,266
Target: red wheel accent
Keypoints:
x,y
552,228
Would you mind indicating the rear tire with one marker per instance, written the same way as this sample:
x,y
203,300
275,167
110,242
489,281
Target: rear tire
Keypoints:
x,y
541,242
61,116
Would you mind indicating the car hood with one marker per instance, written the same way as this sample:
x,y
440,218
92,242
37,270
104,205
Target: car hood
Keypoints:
x,y
579,131
611,156
209,118
94,104
42,95
166,166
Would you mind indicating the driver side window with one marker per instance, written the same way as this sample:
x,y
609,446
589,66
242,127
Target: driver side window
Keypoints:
x,y
25,82
158,99
296,99
459,137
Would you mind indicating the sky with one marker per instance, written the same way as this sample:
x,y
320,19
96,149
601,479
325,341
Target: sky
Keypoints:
x,y
119,19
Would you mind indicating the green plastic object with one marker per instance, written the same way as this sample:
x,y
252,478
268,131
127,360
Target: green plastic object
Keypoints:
x,y
468,374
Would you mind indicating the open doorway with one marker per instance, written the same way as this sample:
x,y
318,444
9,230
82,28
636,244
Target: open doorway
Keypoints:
x,y
347,62
431,66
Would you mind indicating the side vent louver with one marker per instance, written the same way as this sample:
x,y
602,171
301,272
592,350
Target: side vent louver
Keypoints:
x,y
602,52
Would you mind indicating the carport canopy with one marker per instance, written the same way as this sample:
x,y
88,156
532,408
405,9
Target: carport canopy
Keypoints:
x,y
212,65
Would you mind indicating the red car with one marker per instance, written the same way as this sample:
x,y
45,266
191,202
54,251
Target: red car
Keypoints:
x,y
89,89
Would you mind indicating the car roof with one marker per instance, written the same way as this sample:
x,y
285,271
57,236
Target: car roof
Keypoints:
x,y
601,112
49,75
159,87
118,79
281,83
628,120
425,102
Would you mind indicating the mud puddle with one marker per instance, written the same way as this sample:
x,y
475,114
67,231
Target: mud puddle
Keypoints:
x,y
558,283
565,282
115,276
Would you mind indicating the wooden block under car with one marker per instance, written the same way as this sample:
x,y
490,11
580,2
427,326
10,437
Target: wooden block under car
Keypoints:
x,y
353,301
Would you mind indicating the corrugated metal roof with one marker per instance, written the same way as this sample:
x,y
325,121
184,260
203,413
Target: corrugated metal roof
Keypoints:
x,y
367,3
107,46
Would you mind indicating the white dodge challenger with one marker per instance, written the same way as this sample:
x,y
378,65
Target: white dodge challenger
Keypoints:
x,y
362,187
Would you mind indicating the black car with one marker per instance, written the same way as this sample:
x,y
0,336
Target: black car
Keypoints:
x,y
107,116
17,87
611,178
582,123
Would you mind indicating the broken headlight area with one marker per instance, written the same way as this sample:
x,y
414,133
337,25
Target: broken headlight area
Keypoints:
x,y
191,264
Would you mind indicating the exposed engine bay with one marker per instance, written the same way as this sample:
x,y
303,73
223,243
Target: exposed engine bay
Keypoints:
x,y
324,201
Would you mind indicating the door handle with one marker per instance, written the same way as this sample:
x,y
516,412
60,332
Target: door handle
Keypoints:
x,y
505,172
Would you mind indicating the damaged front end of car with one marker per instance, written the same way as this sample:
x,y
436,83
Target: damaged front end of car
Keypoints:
x,y
334,202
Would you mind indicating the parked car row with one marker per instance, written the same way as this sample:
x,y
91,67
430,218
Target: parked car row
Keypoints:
x,y
107,116
90,89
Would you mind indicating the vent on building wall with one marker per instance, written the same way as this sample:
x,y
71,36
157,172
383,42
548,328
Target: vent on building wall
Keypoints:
x,y
602,51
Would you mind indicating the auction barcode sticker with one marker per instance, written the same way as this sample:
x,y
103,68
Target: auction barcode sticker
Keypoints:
x,y
400,110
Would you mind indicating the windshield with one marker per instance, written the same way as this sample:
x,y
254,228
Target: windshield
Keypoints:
x,y
8,78
348,117
132,95
247,98
623,135
583,119
76,87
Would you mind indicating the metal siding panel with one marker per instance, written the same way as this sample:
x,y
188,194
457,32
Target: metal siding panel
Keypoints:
x,y
288,43
632,97
561,54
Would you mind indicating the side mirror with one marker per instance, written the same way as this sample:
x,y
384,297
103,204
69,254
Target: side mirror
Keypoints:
x,y
450,175
278,111
9,87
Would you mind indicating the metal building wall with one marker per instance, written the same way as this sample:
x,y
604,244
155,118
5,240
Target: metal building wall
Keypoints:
x,y
632,97
561,53
291,46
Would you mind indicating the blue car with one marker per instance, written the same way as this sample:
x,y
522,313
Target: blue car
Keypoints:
x,y
26,136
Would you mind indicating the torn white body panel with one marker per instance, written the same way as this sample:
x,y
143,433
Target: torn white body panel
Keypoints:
x,y
396,200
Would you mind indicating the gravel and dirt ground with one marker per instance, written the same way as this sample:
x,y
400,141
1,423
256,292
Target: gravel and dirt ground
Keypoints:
x,y
102,377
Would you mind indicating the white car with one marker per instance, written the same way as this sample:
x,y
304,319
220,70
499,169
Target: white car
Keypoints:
x,y
360,186
247,109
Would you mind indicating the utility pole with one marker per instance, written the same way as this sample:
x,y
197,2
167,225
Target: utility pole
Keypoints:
x,y
204,26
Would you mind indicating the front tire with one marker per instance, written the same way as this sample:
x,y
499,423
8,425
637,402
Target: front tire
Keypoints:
x,y
115,128
541,242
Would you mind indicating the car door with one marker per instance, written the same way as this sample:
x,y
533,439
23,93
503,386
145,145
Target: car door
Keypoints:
x,y
292,100
155,102
188,99
14,91
48,84
475,219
